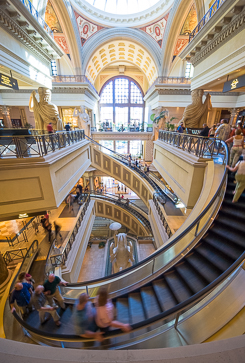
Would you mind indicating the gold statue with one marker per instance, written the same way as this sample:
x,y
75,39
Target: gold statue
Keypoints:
x,y
196,114
44,111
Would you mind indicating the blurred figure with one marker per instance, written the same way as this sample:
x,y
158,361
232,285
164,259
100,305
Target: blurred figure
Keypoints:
x,y
223,131
69,201
127,202
236,150
240,179
35,226
67,127
39,302
211,132
240,127
105,313
84,319
50,128
145,169
180,128
204,131
57,229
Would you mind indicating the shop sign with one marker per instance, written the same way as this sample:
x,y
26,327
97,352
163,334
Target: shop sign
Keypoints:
x,y
8,82
234,84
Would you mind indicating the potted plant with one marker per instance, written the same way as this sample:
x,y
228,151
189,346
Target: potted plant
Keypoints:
x,y
156,120
101,244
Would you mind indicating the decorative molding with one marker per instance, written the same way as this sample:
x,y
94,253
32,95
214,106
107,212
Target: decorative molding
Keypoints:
x,y
17,32
174,91
228,32
121,136
86,28
157,30
130,20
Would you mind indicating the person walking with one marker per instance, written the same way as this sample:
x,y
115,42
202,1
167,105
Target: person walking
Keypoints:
x,y
57,229
50,128
38,300
105,313
67,127
51,290
240,179
84,319
35,226
236,150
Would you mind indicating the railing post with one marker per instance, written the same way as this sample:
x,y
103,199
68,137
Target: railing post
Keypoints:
x,y
176,321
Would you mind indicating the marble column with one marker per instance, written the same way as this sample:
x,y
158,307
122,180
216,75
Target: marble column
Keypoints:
x,y
91,183
6,116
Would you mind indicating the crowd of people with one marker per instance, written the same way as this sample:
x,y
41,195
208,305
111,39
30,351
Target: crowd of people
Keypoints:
x,y
89,320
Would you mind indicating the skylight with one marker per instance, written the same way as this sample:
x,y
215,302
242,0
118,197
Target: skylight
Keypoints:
x,y
122,7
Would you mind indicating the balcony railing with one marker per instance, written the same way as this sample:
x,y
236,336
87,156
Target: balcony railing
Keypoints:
x,y
216,5
37,145
197,145
169,80
73,79
36,15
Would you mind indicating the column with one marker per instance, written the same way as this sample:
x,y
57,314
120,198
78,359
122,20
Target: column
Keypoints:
x,y
91,183
148,150
234,115
6,116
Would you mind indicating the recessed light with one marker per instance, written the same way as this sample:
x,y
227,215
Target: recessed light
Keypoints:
x,y
218,79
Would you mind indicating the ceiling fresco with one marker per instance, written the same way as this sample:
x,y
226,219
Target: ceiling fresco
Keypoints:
x,y
190,22
85,27
157,29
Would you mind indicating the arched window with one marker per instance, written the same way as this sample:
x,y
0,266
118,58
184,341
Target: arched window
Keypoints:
x,y
121,103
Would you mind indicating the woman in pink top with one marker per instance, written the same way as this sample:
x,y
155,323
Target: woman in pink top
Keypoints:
x,y
105,313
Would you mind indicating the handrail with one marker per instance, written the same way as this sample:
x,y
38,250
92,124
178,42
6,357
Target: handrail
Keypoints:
x,y
195,144
36,15
22,146
174,241
138,215
211,11
60,258
177,310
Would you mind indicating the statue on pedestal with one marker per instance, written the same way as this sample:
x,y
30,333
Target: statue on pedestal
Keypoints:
x,y
159,121
83,121
195,114
121,254
45,112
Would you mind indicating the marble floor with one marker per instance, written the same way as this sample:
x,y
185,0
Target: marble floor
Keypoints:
x,y
93,266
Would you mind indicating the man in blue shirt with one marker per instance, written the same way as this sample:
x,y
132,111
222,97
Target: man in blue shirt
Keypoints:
x,y
22,295
67,127
180,128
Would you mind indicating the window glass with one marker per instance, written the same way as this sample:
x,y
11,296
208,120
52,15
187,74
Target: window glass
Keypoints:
x,y
121,90
122,146
109,144
107,94
136,116
106,116
136,96
121,117
135,147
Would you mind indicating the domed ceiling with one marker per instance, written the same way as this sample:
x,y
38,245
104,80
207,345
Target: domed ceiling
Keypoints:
x,y
123,6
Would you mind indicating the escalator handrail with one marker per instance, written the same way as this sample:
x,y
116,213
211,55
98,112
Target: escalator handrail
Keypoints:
x,y
169,245
134,212
177,309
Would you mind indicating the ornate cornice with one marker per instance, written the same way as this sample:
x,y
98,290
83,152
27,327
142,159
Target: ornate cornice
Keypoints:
x,y
130,20
174,91
228,32
122,135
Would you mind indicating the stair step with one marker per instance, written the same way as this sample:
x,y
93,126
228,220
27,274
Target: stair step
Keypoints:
x,y
123,310
165,297
228,234
177,286
190,277
232,213
230,249
150,301
214,257
203,266
136,307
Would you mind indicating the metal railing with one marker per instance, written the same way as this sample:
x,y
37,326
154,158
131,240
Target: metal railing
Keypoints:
x,y
12,255
162,217
133,210
36,15
197,145
73,79
37,145
60,259
211,11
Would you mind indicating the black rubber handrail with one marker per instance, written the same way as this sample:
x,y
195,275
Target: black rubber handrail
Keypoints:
x,y
173,242
177,309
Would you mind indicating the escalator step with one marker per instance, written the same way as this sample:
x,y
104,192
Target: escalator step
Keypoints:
x,y
233,214
150,301
232,250
233,224
177,286
123,310
165,296
229,234
203,266
214,257
136,307
190,276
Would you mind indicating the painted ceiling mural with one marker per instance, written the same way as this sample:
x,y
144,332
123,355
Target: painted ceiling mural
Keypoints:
x,y
156,30
53,22
86,28
190,21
